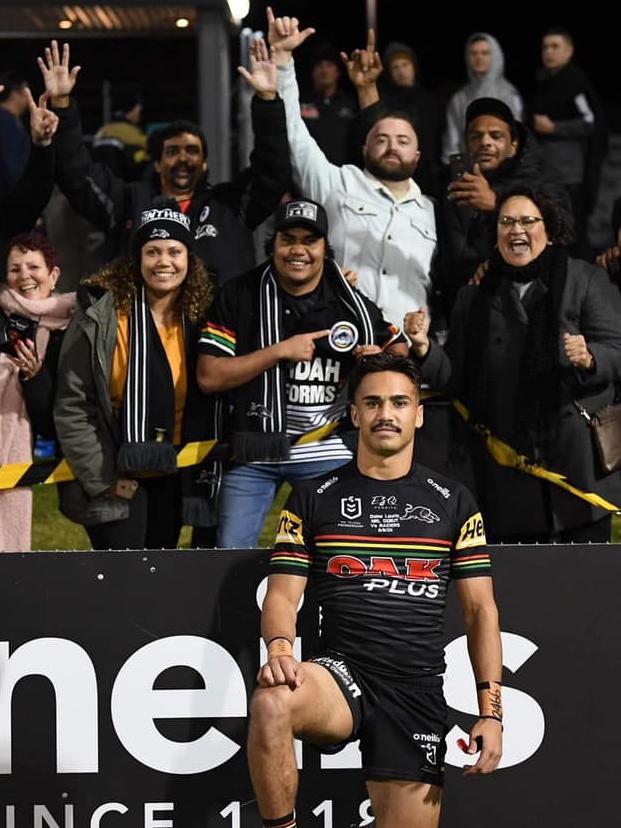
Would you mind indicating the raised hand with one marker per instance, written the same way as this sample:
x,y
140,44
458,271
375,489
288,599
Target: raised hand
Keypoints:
x,y
263,73
59,80
364,66
416,325
284,35
577,351
43,123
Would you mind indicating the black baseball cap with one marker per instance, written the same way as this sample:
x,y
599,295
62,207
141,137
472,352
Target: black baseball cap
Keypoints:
x,y
489,106
302,213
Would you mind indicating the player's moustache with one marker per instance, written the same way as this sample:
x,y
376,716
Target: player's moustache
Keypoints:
x,y
386,424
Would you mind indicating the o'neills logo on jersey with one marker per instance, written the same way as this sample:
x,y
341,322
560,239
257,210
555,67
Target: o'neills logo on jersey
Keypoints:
x,y
351,507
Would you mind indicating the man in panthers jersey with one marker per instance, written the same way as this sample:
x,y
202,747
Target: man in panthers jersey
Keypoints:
x,y
380,539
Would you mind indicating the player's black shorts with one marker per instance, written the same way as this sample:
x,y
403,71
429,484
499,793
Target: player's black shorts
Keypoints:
x,y
401,723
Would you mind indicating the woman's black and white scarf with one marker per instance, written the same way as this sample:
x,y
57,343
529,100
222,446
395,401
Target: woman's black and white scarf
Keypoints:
x,y
147,420
259,431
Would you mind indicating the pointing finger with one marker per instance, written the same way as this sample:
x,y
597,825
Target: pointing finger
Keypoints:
x,y
29,99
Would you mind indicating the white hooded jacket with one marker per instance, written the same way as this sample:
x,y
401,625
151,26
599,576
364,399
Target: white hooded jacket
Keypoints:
x,y
491,85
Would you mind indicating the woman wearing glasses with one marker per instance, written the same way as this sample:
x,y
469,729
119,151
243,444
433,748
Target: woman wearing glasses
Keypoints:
x,y
535,342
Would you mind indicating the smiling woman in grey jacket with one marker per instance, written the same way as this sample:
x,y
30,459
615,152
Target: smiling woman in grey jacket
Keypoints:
x,y
538,335
127,394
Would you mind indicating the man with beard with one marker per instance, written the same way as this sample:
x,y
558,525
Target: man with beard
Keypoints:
x,y
383,227
221,216
502,154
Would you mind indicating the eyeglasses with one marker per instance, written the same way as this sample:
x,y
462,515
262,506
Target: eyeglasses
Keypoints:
x,y
526,222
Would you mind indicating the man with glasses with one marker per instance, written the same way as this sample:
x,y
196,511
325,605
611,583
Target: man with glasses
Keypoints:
x,y
502,153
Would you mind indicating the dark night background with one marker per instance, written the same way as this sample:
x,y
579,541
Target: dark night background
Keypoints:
x,y
166,67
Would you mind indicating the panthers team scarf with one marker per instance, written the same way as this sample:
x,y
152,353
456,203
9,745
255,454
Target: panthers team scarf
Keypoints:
x,y
260,427
148,411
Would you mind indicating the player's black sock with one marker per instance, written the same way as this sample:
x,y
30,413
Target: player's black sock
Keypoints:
x,y
288,821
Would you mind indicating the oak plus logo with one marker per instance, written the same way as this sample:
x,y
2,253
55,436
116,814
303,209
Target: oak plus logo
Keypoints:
x,y
351,507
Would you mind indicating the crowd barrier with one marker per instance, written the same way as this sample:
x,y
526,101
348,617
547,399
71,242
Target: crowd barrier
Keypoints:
x,y
125,680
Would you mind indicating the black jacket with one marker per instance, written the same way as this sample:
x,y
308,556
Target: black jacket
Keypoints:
x,y
21,206
469,235
39,392
222,216
514,502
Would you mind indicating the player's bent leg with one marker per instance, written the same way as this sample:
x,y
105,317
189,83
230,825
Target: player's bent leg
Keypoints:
x,y
316,711
404,804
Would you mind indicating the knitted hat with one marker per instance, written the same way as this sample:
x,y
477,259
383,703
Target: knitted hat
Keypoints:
x,y
162,221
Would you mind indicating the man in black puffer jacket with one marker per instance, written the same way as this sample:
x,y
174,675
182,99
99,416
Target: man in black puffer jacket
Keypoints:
x,y
222,217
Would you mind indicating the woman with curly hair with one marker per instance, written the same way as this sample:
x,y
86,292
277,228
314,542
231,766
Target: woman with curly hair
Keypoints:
x,y
530,349
127,392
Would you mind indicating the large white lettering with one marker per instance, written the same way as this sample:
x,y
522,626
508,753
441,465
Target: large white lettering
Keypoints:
x,y
43,818
150,819
70,671
106,808
135,704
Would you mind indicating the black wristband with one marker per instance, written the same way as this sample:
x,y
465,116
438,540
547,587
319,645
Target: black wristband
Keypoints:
x,y
276,638
495,719
487,685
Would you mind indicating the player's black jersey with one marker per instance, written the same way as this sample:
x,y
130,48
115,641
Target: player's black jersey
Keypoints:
x,y
380,554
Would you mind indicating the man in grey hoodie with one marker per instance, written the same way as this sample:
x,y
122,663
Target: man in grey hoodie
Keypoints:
x,y
485,62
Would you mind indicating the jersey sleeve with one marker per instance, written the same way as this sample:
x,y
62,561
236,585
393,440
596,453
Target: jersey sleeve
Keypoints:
x,y
470,557
292,553
218,336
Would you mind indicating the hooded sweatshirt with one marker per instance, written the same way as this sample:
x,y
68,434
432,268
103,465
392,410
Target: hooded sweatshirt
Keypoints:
x,y
492,85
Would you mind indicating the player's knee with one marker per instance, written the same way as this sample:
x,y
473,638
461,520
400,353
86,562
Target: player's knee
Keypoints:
x,y
270,708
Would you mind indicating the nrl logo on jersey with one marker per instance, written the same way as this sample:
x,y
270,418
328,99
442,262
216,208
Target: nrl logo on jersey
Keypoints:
x,y
351,507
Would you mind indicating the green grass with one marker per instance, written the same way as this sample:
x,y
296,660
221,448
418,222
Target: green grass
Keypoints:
x,y
50,530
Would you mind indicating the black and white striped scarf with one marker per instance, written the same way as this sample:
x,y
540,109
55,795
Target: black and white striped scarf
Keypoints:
x,y
261,435
147,422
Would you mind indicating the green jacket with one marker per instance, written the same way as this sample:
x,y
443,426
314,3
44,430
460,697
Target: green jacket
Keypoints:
x,y
85,423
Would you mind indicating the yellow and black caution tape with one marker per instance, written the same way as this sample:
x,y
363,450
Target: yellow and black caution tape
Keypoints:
x,y
505,455
191,454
